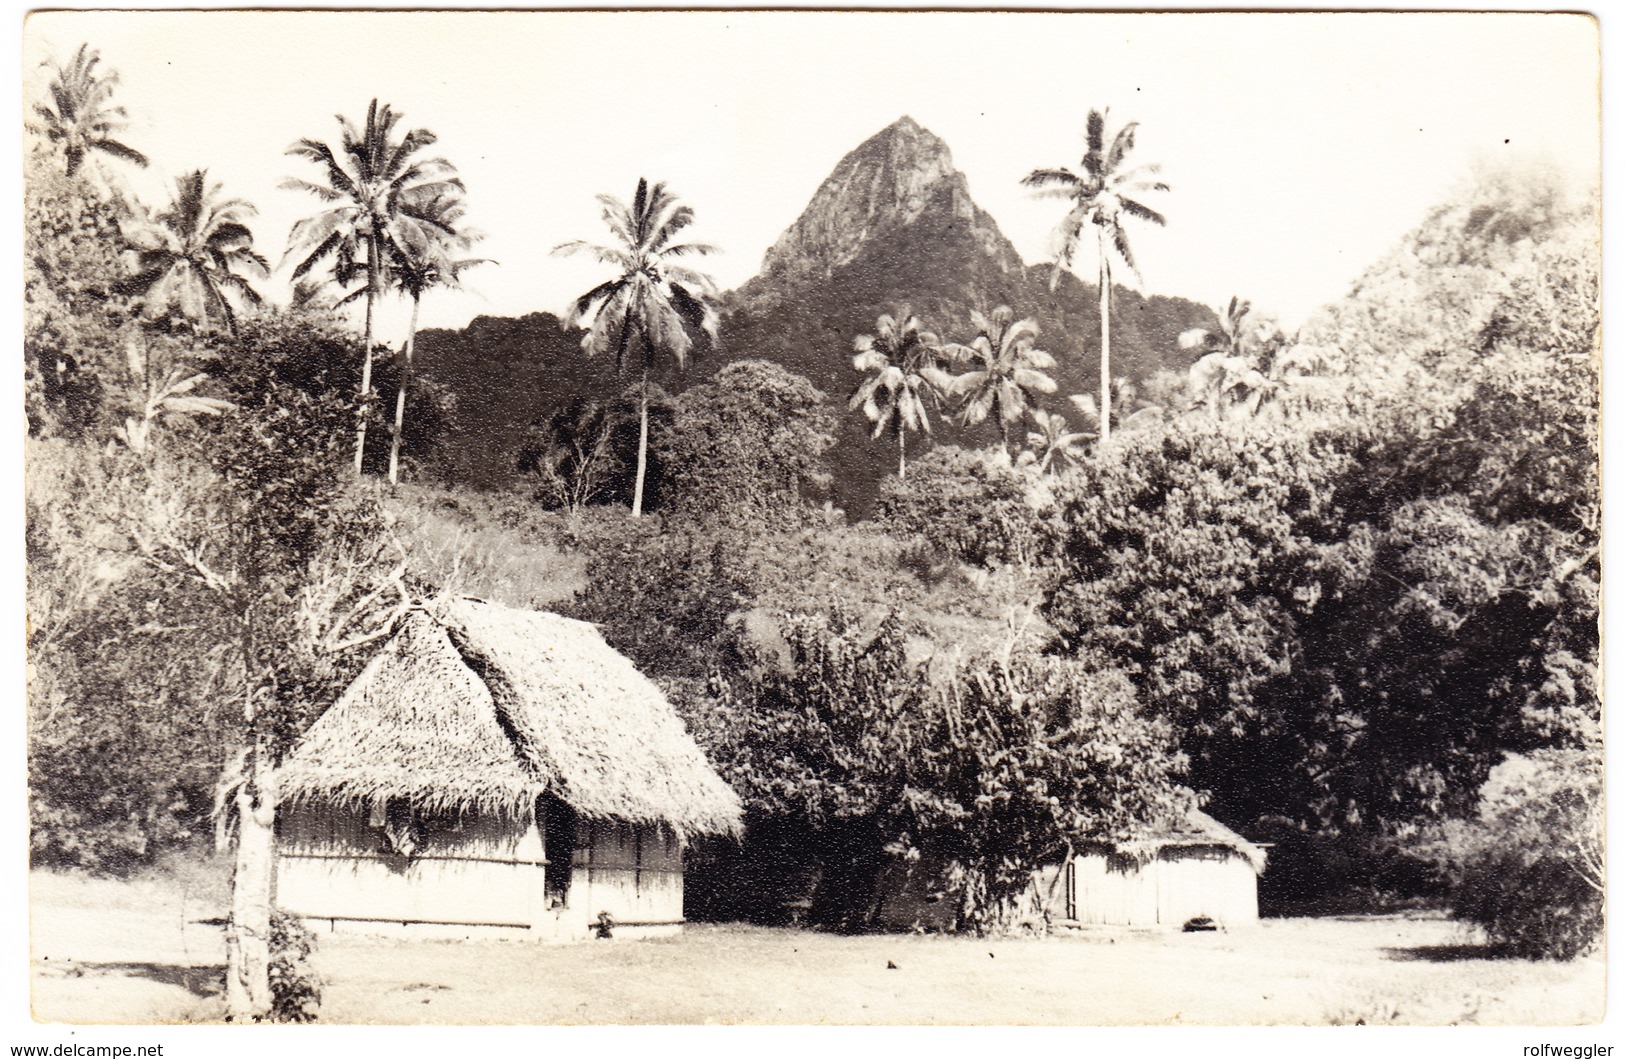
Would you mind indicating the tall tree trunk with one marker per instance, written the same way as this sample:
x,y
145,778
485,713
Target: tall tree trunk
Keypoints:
x,y
643,445
248,942
366,360
902,439
248,938
1105,343
400,397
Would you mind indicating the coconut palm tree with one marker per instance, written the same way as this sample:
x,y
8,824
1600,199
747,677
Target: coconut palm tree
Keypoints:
x,y
80,115
905,377
1053,446
1006,370
415,268
655,306
366,181
1124,395
1101,195
195,252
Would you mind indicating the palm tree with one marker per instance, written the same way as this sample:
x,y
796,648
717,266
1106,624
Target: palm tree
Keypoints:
x,y
1246,363
80,115
1124,394
195,252
1100,196
655,304
366,183
904,375
1052,446
1007,370
416,268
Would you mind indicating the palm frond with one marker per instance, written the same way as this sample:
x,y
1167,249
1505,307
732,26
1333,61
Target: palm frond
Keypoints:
x,y
1053,178
1144,213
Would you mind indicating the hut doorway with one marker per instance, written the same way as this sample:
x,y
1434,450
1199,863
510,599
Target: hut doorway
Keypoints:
x,y
559,846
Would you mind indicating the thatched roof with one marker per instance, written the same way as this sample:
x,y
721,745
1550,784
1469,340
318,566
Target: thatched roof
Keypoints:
x,y
481,707
1196,831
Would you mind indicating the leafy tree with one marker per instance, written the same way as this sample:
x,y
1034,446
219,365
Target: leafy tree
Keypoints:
x,y
656,305
970,509
125,737
669,598
80,117
417,266
259,520
1101,195
1005,370
1023,759
367,181
194,251
1529,868
905,377
997,769
75,323
748,446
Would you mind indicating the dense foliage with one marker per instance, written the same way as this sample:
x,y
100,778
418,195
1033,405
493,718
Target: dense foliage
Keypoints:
x,y
1529,869
747,447
993,765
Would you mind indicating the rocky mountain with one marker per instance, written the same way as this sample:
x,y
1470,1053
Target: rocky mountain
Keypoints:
x,y
893,226
899,177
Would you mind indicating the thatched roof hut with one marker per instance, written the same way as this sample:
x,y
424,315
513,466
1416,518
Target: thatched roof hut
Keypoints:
x,y
1191,869
1197,830
495,772
476,706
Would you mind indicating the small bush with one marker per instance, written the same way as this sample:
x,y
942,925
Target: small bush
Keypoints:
x,y
1530,872
296,991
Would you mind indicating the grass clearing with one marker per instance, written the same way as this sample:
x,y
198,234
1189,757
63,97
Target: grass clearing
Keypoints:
x,y
136,952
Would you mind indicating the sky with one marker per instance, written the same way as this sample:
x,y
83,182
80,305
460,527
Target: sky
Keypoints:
x,y
1299,147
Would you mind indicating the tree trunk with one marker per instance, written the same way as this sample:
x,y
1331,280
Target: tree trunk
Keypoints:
x,y
643,445
366,360
400,398
902,439
1105,343
248,942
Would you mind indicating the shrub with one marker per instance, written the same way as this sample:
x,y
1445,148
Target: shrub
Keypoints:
x,y
296,991
1530,870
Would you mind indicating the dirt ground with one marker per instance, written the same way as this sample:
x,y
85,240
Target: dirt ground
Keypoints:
x,y
140,952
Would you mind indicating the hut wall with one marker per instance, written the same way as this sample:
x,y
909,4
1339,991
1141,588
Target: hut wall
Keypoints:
x,y
480,875
635,873
1179,884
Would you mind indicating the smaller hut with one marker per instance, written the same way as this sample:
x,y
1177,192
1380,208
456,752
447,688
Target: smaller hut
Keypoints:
x,y
495,772
1196,869
1164,878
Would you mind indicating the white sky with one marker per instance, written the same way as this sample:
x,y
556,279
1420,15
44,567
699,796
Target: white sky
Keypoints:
x,y
1299,146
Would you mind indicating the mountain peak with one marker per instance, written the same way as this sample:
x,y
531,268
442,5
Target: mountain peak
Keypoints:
x,y
888,182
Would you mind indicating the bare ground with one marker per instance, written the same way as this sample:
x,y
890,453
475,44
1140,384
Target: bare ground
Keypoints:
x,y
140,952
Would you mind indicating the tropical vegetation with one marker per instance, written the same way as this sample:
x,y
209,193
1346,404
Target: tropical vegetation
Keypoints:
x,y
904,379
1338,586
656,307
1102,195
371,185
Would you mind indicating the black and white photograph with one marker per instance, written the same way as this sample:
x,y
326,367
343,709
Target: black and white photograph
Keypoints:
x,y
792,518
